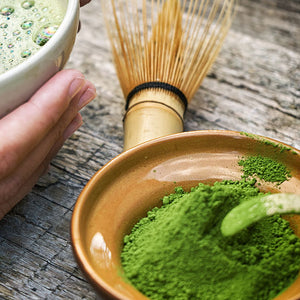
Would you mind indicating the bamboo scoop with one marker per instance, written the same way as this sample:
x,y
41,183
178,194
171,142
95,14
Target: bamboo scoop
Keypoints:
x,y
258,208
162,51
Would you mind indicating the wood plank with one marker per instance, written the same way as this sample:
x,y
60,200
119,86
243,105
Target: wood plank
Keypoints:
x,y
253,87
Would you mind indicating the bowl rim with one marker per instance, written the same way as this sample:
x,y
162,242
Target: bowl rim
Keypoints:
x,y
78,250
69,17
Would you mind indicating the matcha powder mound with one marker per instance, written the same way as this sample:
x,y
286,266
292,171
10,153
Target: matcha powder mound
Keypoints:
x,y
264,168
178,251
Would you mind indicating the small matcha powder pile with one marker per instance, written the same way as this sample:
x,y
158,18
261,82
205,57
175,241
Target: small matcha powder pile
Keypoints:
x,y
265,169
178,251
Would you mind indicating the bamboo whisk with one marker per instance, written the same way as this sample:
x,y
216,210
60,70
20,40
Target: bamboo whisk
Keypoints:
x,y
162,51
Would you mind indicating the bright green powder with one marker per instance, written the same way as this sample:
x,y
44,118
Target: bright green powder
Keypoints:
x,y
264,168
178,251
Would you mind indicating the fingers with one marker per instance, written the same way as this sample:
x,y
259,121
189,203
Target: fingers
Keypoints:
x,y
16,186
19,183
68,123
24,175
26,127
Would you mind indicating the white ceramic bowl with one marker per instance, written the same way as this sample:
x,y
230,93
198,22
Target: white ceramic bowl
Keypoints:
x,y
19,84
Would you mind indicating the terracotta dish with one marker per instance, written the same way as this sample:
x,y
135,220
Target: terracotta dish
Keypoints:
x,y
134,182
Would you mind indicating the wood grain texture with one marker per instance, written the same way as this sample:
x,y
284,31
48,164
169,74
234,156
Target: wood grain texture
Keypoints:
x,y
254,86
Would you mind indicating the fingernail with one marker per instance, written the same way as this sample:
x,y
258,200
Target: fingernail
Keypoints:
x,y
73,126
86,98
75,86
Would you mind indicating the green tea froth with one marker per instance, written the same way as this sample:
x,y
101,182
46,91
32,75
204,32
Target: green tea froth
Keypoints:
x,y
26,26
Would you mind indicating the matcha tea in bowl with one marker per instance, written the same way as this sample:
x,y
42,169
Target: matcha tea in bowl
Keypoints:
x,y
128,193
36,39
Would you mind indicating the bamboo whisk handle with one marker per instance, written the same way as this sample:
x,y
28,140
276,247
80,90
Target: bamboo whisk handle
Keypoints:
x,y
152,114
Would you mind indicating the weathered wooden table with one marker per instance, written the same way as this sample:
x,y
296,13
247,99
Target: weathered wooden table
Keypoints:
x,y
254,86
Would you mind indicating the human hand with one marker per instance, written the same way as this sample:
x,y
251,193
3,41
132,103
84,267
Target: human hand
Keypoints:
x,y
32,134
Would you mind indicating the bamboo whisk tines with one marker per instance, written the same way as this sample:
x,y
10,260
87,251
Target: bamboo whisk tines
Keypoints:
x,y
162,51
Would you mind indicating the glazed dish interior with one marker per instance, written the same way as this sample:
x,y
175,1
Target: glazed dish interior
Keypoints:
x,y
134,182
